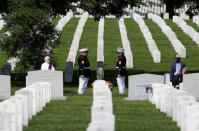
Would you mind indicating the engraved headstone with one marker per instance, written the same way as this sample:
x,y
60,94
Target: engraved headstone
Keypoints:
x,y
53,77
140,86
5,87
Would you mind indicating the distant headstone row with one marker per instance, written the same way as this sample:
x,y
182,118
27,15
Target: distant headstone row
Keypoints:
x,y
178,46
74,48
148,37
190,31
102,118
100,50
63,21
126,44
182,107
16,111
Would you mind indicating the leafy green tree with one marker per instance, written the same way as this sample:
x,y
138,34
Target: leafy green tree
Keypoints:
x,y
193,7
32,34
171,5
99,8
4,6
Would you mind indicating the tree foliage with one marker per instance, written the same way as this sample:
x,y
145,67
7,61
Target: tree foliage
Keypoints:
x,y
32,35
29,23
100,8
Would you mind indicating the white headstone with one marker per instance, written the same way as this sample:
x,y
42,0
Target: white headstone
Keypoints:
x,y
11,108
24,100
53,77
5,88
19,114
191,84
140,85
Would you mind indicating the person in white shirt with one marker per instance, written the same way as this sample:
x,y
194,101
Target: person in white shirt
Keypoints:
x,y
47,65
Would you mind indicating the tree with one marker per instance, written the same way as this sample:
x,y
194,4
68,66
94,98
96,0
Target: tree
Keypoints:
x,y
3,6
100,8
32,35
193,7
171,5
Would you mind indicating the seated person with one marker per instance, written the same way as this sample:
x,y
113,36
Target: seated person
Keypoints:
x,y
178,69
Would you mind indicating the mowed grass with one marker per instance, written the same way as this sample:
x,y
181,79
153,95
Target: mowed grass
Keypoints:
x,y
61,52
89,40
142,58
192,59
112,40
3,59
74,114
3,56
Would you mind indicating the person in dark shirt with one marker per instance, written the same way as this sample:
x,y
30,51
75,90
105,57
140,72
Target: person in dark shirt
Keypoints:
x,y
121,72
176,72
84,70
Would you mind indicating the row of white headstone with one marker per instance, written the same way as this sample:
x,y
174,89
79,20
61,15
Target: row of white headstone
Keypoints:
x,y
182,107
148,37
190,31
126,44
177,45
77,37
196,20
100,45
102,118
16,111
63,21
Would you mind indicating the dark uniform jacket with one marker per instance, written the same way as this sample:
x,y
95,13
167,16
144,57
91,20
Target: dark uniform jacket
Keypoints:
x,y
121,67
84,66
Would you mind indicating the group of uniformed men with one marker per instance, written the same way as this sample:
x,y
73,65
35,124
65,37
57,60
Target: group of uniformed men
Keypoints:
x,y
84,70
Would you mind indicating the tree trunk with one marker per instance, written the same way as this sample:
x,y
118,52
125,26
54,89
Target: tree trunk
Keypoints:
x,y
170,9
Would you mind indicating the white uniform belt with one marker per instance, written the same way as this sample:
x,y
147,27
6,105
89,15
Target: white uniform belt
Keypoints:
x,y
119,67
86,67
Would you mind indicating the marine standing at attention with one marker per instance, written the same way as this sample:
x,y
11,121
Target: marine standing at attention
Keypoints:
x,y
121,70
84,70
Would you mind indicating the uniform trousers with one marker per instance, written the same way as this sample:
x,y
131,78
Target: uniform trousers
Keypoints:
x,y
121,84
83,81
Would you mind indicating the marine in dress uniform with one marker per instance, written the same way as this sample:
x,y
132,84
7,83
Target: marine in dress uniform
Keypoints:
x,y
121,70
176,72
84,70
47,65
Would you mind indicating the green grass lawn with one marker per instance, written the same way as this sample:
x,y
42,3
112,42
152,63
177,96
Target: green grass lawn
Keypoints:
x,y
3,56
112,40
3,59
89,40
61,52
75,113
55,21
194,25
192,60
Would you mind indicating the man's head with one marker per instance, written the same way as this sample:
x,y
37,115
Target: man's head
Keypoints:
x,y
177,58
47,59
83,52
120,52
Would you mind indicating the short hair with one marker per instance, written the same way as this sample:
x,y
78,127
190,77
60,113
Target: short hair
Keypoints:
x,y
46,57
